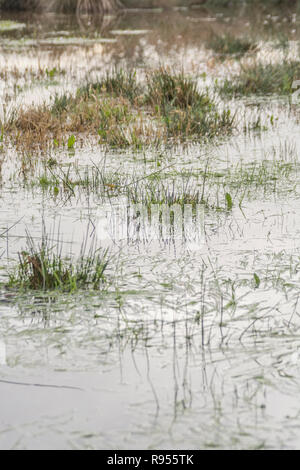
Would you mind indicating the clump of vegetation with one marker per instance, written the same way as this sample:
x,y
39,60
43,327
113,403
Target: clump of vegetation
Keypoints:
x,y
230,45
176,90
184,110
198,122
115,83
263,79
163,193
123,114
111,119
42,267
61,104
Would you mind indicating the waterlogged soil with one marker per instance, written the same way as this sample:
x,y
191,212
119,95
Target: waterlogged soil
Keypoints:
x,y
193,343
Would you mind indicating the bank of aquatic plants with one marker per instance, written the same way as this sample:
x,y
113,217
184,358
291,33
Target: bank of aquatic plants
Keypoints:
x,y
123,112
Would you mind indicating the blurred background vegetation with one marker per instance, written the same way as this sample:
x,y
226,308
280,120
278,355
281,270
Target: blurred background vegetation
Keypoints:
x,y
110,5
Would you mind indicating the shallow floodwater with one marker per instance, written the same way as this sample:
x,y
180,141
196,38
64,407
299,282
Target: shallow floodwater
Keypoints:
x,y
190,345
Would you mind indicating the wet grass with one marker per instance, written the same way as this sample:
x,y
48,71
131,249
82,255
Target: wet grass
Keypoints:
x,y
177,90
164,193
184,111
115,83
262,79
42,267
109,118
216,190
237,298
227,45
219,191
92,179
258,179
123,114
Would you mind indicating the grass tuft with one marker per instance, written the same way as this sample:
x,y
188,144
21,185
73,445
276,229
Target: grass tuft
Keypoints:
x,y
263,79
176,90
116,83
230,45
184,110
43,268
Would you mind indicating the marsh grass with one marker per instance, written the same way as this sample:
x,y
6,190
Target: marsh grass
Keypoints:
x,y
177,90
262,79
185,111
117,82
111,119
164,193
220,191
92,179
61,104
264,178
207,187
227,45
198,122
42,267
122,114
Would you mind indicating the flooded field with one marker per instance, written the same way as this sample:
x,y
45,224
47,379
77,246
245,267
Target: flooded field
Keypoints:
x,y
123,332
